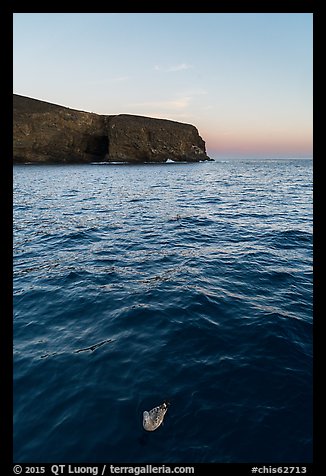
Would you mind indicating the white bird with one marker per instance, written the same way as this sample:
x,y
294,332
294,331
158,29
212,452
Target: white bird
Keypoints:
x,y
153,418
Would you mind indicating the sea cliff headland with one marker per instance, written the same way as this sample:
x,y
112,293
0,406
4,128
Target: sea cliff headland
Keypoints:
x,y
49,133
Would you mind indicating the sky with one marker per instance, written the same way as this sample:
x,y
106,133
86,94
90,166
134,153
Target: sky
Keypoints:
x,y
243,79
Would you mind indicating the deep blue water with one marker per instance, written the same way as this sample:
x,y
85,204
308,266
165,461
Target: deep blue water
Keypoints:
x,y
187,282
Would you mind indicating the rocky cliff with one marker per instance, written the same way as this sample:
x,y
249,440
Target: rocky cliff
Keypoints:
x,y
45,132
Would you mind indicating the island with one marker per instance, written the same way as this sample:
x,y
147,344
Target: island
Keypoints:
x,y
49,133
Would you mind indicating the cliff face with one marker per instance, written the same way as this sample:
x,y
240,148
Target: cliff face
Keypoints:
x,y
45,132
153,140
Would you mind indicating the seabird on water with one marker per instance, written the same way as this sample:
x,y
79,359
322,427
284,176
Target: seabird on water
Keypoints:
x,y
153,418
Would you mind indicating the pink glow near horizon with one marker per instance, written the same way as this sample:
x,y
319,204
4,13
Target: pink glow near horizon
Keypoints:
x,y
256,143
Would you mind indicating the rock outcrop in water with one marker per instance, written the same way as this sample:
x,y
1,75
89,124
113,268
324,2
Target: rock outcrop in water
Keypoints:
x,y
48,133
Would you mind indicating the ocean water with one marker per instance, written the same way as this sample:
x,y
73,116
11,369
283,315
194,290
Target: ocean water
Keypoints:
x,y
139,283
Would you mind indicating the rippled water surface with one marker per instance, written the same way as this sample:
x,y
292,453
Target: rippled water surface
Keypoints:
x,y
186,282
